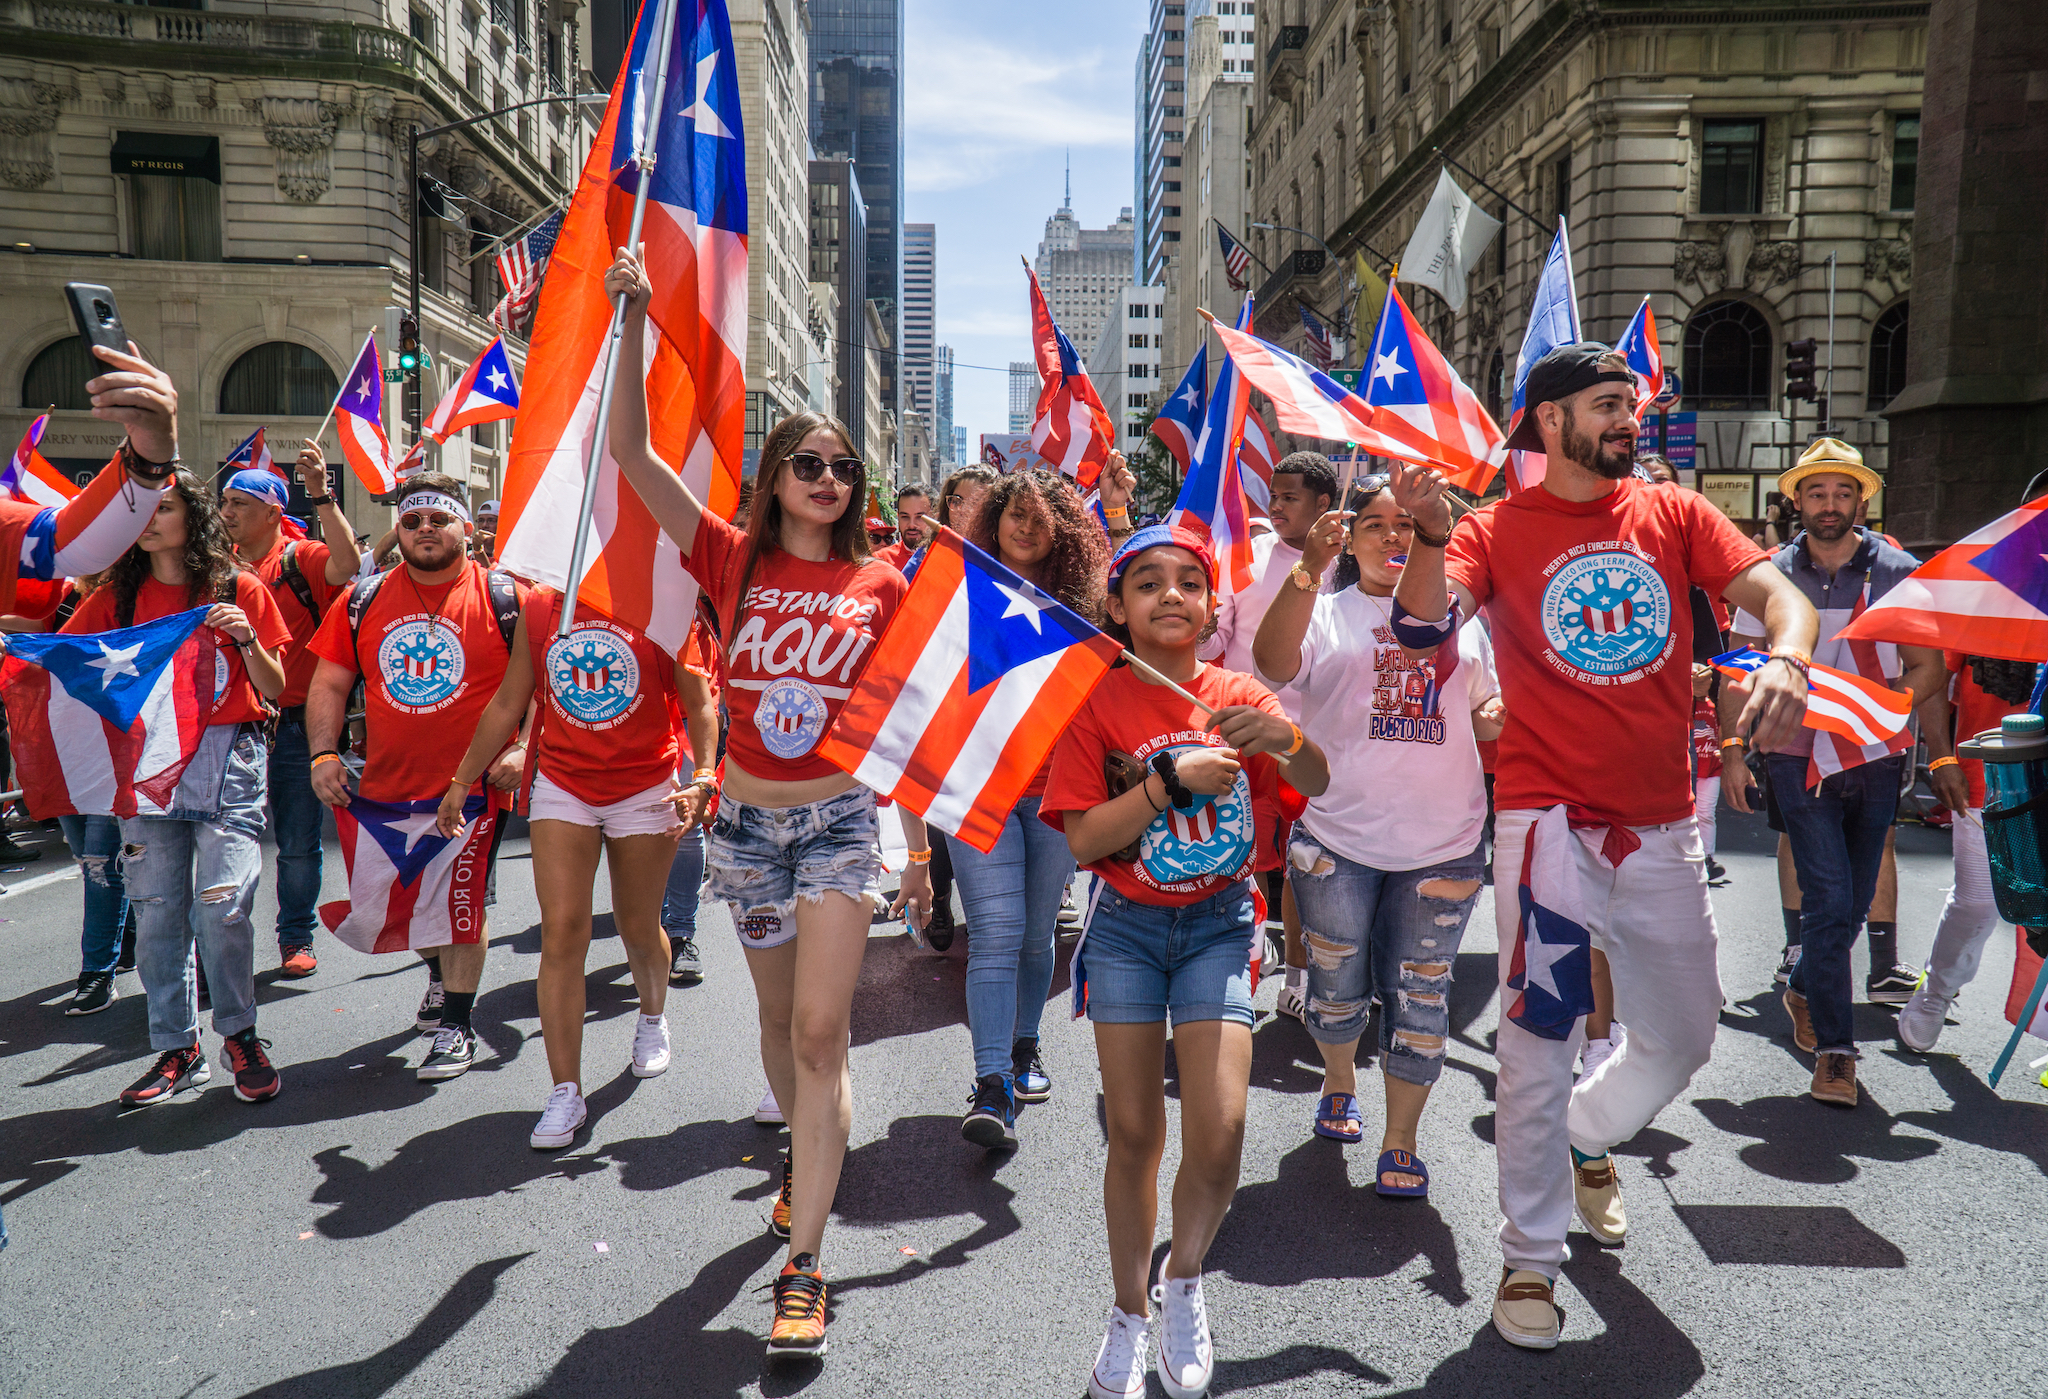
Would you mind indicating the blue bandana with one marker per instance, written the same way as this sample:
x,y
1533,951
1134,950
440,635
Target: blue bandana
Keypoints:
x,y
262,483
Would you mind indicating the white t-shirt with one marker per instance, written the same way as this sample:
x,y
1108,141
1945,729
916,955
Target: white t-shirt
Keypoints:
x,y
1238,618
1406,789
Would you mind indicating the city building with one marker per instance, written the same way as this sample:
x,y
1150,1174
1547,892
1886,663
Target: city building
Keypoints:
x,y
1023,394
960,450
1164,219
1726,165
1215,166
772,46
942,404
920,268
1126,365
821,392
877,355
1140,123
1082,272
856,101
839,241
919,454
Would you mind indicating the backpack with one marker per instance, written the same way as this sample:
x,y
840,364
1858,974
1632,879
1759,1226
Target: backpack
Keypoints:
x,y
294,578
500,585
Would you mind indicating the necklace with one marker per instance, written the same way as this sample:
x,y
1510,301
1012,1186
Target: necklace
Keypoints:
x,y
434,612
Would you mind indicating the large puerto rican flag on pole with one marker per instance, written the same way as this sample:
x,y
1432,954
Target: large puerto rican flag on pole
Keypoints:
x,y
105,723
408,885
29,477
695,246
970,687
359,422
486,392
1986,595
1553,321
1070,429
1419,400
1212,500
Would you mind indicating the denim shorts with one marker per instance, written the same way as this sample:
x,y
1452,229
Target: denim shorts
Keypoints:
x,y
1142,963
762,859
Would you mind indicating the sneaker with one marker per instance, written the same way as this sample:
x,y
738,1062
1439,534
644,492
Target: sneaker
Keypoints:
x,y
1119,1371
1027,1075
688,968
991,1118
1717,873
768,1112
1187,1358
1069,916
938,933
799,1327
1922,1018
94,994
256,1080
1596,1190
1525,1311
1291,1002
175,1071
127,958
559,1119
1891,987
650,1047
296,963
1783,976
1597,1052
10,851
778,1218
429,1017
453,1052
1802,1023
1834,1079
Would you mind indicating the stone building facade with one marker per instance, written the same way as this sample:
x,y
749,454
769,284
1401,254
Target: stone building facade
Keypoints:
x,y
1083,272
1217,183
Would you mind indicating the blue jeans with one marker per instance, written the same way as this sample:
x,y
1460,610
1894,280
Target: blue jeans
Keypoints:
x,y
1139,964
1366,928
1837,833
685,883
1012,897
764,858
95,843
295,816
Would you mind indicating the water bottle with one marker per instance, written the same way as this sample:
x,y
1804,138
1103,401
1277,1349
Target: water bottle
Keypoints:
x,y
2015,758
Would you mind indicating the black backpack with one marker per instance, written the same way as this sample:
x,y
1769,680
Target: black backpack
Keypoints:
x,y
294,578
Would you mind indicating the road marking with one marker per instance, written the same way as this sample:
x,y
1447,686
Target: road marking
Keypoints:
x,y
39,881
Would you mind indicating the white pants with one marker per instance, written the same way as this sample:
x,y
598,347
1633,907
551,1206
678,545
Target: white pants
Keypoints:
x,y
1706,802
1653,920
1969,917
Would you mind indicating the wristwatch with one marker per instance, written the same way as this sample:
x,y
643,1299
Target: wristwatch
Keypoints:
x,y
1304,580
320,500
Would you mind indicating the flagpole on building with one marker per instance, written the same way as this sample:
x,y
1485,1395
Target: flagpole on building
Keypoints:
x,y
650,130
1439,151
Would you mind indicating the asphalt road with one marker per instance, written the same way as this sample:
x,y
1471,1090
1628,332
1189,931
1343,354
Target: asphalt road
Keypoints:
x,y
364,1234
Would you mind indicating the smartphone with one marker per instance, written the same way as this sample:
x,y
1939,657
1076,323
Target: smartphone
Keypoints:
x,y
98,318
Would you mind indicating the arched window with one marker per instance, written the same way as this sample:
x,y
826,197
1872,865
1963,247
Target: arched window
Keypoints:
x,y
278,380
56,377
1496,372
1728,357
1887,358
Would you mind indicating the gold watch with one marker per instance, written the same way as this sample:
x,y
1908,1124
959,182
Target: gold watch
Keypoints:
x,y
1304,580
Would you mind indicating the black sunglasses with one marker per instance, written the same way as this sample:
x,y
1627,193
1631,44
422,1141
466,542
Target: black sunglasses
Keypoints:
x,y
809,466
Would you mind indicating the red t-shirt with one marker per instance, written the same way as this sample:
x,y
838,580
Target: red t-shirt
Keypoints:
x,y
1592,634
1975,711
235,700
435,659
1184,856
895,555
611,726
38,601
310,558
807,633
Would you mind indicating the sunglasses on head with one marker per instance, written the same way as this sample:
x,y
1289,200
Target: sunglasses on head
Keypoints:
x,y
809,466
430,519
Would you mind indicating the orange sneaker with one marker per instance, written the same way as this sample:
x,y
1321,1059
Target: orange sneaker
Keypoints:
x,y
297,962
799,1327
778,1222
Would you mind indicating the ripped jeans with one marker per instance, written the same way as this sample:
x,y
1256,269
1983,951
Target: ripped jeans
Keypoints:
x,y
95,843
1367,928
764,858
193,872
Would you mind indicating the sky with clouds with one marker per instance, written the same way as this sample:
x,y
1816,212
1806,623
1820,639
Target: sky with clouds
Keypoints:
x,y
995,97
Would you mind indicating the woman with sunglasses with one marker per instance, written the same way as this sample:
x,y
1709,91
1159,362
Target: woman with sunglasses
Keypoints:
x,y
1384,887
795,849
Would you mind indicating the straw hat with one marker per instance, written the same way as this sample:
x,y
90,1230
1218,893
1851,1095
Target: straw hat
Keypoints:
x,y
1831,456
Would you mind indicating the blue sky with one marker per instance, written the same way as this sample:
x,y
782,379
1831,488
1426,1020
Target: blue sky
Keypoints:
x,y
995,95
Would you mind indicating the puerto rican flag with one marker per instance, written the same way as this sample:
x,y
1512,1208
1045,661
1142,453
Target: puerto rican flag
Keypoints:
x,y
1985,595
484,394
1179,421
1070,428
1550,969
1418,400
1638,345
254,453
1213,501
1860,719
1553,321
695,241
1610,621
105,723
409,886
29,477
359,421
1195,826
976,678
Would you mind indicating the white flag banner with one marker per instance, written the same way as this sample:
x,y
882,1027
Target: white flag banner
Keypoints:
x,y
1448,240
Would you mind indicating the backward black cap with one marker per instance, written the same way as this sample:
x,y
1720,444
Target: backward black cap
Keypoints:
x,y
1563,372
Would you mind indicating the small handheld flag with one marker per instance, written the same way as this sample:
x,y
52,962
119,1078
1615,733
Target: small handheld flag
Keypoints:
x,y
1070,428
29,477
358,412
485,393
254,454
1985,595
1638,345
1860,710
1179,422
1553,321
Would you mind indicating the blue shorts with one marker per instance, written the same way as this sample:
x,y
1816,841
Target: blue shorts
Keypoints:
x,y
762,859
1142,963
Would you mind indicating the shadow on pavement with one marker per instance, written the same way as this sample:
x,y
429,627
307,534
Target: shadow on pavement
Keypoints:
x,y
907,990
1791,1236
952,1180
1802,1140
1977,1114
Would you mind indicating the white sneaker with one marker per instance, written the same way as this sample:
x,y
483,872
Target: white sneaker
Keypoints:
x,y
650,1047
1291,1002
1922,1016
1187,1360
769,1113
560,1119
1119,1371
1597,1052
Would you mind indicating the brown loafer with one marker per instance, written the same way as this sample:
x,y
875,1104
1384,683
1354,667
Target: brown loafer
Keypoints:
x,y
1525,1312
1596,1190
1802,1023
1834,1079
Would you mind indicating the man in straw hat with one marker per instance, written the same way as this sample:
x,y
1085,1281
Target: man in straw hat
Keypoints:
x,y
1837,803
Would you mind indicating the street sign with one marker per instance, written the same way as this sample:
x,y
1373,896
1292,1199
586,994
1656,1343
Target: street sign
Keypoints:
x,y
394,376
1680,433
1347,377
1669,398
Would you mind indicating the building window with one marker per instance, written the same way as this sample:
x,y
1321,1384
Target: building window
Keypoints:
x,y
173,194
421,24
1496,372
1732,168
1728,357
1134,400
278,380
56,377
1887,358
1905,160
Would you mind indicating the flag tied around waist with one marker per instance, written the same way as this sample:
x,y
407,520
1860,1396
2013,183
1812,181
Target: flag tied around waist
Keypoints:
x,y
968,690
1552,966
409,886
105,723
29,477
1863,719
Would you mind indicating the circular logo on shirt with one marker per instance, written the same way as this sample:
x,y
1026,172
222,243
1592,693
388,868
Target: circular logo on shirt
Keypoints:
x,y
220,673
593,675
421,662
1608,613
790,716
1213,837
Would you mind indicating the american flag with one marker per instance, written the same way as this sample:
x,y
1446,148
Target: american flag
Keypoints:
x,y
1318,340
521,266
1237,263
1071,429
1860,719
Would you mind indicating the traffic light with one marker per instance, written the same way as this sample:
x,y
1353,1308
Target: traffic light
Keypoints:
x,y
1799,366
409,346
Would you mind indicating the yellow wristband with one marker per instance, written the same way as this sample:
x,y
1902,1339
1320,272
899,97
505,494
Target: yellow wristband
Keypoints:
x,y
711,773
1939,763
1299,739
920,857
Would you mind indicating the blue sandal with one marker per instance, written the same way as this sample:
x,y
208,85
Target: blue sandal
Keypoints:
x,y
1405,1163
1340,1107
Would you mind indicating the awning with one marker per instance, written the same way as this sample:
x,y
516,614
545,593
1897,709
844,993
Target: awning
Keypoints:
x,y
163,153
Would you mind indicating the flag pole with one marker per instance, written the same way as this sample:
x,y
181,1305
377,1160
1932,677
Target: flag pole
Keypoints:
x,y
344,389
1208,710
644,158
2026,1018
